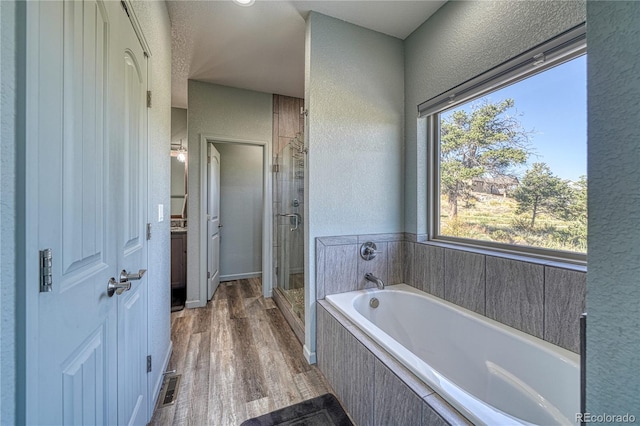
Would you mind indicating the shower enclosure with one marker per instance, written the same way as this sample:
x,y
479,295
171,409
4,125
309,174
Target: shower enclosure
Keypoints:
x,y
290,223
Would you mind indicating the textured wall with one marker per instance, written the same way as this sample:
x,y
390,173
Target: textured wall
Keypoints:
x,y
240,210
461,40
179,126
178,132
156,27
354,93
225,112
613,303
8,212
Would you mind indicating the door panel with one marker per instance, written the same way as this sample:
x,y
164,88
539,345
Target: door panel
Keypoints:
x,y
83,403
76,334
134,86
83,150
87,120
213,222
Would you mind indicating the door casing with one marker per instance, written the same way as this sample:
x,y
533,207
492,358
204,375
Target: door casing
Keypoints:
x,y
267,213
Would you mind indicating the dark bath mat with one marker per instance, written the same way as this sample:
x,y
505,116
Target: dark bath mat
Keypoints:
x,y
324,410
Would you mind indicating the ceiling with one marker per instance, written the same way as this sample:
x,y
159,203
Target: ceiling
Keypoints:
x,y
261,47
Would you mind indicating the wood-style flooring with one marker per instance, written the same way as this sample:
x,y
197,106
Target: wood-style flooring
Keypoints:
x,y
238,358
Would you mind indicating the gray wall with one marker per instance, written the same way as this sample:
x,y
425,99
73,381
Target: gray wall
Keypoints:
x,y
225,112
177,185
154,19
240,210
10,20
354,94
178,131
613,304
461,40
179,126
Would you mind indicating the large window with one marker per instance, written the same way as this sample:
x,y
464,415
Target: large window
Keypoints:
x,y
509,159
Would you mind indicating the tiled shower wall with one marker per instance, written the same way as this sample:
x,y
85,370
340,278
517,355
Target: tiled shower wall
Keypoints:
x,y
541,299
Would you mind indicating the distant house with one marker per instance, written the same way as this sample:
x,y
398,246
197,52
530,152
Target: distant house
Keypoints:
x,y
499,185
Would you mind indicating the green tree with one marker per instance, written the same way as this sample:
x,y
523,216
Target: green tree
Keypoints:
x,y
578,214
486,141
540,190
579,206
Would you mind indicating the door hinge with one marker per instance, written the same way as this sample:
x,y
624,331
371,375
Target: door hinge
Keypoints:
x,y
208,275
46,275
148,363
277,270
275,168
208,159
148,231
148,98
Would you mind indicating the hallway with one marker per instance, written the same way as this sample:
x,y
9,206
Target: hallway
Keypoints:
x,y
238,359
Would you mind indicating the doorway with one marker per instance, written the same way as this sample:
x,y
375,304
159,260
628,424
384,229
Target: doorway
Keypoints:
x,y
245,226
241,201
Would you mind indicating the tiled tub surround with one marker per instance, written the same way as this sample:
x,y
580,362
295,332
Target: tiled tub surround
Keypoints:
x,y
372,385
492,373
544,299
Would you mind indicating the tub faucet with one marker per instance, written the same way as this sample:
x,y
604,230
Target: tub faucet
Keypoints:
x,y
370,277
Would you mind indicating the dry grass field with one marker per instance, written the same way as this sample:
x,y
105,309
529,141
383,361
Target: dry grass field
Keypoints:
x,y
493,218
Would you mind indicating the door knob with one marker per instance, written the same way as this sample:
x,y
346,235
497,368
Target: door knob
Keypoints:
x,y
125,276
114,287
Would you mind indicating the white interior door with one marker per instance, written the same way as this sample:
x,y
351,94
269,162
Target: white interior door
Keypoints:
x,y
86,90
130,136
213,221
77,321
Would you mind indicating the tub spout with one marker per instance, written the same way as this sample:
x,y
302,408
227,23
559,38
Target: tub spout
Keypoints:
x,y
370,277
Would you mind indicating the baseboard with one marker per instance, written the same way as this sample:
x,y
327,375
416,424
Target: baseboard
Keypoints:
x,y
233,277
310,356
190,304
158,385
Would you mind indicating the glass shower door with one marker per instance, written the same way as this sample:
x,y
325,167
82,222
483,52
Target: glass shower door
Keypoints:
x,y
290,225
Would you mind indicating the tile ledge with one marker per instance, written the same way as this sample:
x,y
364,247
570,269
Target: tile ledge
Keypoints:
x,y
510,256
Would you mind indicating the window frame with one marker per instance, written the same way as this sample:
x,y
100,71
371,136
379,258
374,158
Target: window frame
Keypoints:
x,y
558,50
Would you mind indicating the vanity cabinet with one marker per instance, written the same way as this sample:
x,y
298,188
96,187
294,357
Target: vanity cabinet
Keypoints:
x,y
178,259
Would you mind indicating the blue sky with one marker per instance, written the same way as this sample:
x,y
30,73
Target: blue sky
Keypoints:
x,y
554,105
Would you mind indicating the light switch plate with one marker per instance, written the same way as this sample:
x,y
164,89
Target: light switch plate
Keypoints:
x,y
160,212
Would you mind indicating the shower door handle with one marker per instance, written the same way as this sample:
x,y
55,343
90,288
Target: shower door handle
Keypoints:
x,y
293,215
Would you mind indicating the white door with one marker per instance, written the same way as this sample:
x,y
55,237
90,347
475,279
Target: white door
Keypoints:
x,y
89,207
213,221
130,182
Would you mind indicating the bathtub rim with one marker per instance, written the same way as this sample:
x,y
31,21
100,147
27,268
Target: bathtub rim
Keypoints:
x,y
336,300
566,354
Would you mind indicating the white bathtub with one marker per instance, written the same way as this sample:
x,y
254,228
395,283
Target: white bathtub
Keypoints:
x,y
491,373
